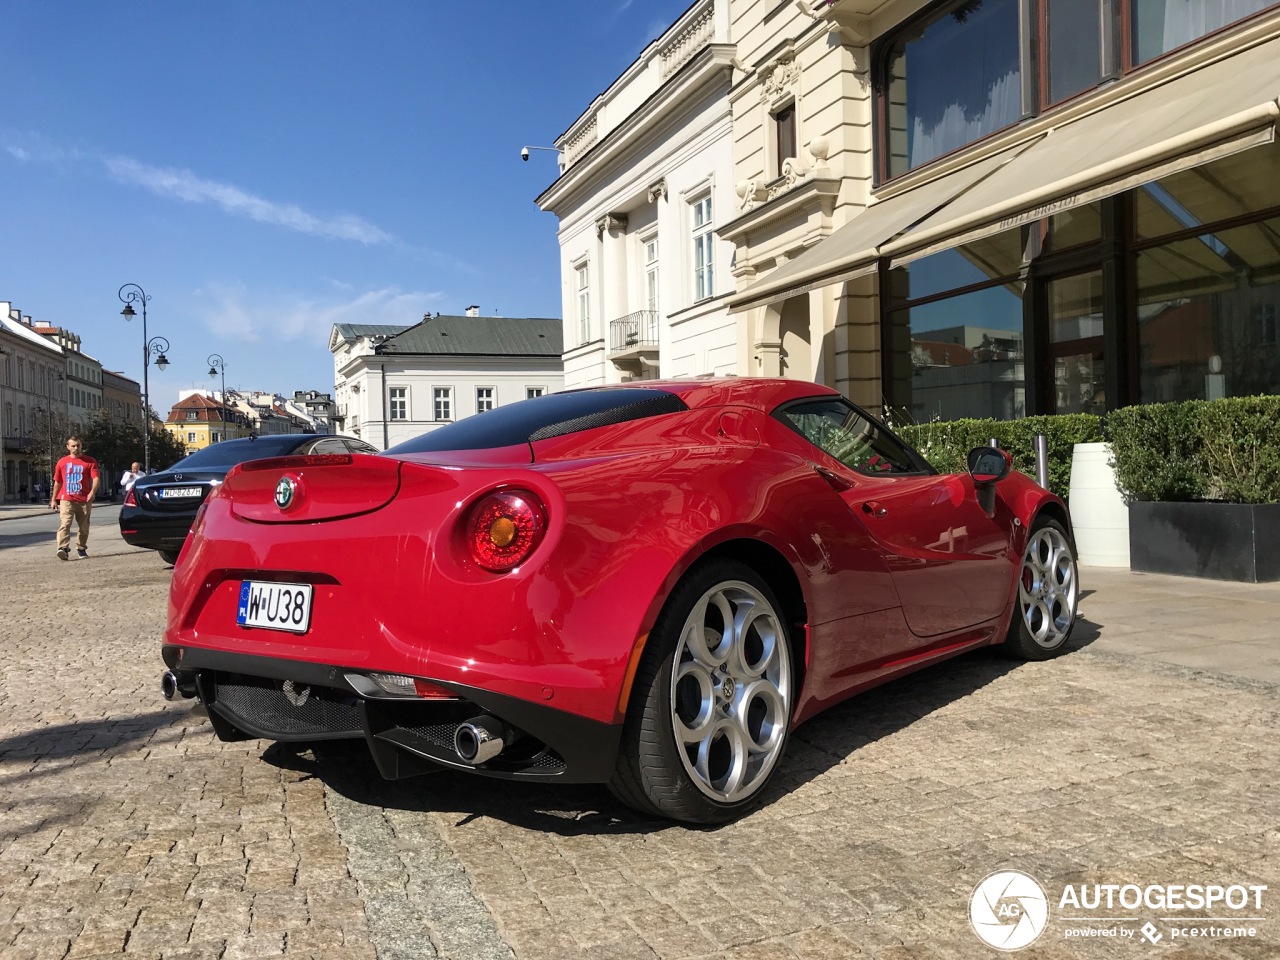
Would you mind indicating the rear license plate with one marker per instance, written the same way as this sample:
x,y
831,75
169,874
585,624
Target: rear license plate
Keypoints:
x,y
177,493
274,606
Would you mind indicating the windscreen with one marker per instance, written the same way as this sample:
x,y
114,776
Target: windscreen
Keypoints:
x,y
552,415
231,452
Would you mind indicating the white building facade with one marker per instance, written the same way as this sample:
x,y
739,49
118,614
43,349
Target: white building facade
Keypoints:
x,y
647,179
393,383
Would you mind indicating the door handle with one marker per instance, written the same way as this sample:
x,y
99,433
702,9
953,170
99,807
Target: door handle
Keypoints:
x,y
875,508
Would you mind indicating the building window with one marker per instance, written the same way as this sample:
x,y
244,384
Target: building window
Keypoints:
x,y
950,79
784,125
399,403
958,355
651,275
191,414
484,399
191,437
442,402
955,73
1158,26
703,251
215,436
531,392
582,286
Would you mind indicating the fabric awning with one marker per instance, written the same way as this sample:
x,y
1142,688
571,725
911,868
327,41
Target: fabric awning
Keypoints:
x,y
853,249
1212,112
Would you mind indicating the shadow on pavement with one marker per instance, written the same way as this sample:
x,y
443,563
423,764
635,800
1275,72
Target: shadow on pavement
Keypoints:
x,y
586,809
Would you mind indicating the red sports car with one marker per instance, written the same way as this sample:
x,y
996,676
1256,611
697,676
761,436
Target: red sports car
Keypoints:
x,y
647,585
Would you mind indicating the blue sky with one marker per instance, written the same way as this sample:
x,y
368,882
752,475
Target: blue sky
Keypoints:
x,y
267,169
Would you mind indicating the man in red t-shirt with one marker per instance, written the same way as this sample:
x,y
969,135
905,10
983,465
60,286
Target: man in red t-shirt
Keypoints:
x,y
75,484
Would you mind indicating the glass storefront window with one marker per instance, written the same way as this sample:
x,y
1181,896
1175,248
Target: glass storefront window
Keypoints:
x,y
951,80
1159,26
960,357
1207,308
1076,326
1241,184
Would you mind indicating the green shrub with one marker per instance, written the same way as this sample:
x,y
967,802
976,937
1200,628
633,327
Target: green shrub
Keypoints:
x,y
1225,449
945,443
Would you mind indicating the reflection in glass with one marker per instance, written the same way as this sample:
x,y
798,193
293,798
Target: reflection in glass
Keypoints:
x,y
1163,25
1212,296
1075,307
1075,48
952,80
1233,186
1080,384
959,357
988,259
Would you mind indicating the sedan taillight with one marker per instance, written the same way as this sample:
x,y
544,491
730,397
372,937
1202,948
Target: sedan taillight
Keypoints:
x,y
129,499
504,527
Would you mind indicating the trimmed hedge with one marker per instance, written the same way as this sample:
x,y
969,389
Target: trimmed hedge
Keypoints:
x,y
946,443
1226,450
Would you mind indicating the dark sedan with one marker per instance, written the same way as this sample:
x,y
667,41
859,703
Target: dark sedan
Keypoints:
x,y
159,510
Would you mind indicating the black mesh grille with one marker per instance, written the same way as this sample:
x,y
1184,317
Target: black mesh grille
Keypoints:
x,y
270,711
437,734
662,403
548,763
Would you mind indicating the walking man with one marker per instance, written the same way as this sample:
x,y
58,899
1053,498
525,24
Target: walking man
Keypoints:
x,y
75,485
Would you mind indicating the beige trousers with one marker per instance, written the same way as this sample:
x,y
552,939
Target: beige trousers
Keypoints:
x,y
69,510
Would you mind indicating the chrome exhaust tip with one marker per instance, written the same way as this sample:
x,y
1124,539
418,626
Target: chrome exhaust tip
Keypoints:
x,y
479,740
173,685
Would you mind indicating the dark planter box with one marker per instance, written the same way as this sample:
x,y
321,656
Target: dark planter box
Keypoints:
x,y
1221,541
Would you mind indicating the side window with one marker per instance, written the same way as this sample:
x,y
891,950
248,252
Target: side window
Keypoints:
x,y
359,446
844,432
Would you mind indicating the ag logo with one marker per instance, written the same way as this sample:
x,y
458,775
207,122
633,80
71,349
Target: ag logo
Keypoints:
x,y
285,489
1008,910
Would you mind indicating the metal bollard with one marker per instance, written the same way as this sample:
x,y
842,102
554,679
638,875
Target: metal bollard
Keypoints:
x,y
1042,460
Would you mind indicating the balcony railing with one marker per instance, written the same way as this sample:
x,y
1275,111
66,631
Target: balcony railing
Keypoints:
x,y
636,331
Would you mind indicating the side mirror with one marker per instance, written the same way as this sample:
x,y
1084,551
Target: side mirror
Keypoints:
x,y
988,465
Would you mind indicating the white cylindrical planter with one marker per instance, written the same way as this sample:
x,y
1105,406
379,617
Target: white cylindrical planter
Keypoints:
x,y
1099,515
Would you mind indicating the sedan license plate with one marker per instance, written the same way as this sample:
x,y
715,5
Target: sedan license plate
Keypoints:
x,y
274,606
179,493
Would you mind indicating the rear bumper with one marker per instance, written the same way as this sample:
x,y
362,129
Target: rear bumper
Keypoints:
x,y
246,697
155,533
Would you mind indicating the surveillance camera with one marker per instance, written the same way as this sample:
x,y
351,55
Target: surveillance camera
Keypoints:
x,y
524,153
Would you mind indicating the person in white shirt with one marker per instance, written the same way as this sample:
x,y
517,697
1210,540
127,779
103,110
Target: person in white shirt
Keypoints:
x,y
130,476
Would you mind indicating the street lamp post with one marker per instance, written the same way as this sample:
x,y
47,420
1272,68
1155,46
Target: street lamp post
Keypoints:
x,y
130,294
218,365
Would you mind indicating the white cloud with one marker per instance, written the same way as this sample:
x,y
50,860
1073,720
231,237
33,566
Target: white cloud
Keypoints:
x,y
185,185
227,312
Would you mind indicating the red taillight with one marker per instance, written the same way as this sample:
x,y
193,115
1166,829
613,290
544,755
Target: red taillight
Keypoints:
x,y
504,529
129,499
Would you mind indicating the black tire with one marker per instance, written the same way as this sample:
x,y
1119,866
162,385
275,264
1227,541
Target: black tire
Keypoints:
x,y
169,556
1048,597
730,695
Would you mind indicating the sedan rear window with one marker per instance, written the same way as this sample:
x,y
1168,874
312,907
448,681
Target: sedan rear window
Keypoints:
x,y
228,453
552,415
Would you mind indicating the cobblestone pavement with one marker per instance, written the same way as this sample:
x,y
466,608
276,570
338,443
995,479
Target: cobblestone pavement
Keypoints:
x,y
126,828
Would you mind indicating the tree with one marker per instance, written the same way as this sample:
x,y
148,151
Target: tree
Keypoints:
x,y
48,442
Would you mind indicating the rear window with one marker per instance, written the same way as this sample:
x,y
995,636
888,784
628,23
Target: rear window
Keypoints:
x,y
552,415
231,452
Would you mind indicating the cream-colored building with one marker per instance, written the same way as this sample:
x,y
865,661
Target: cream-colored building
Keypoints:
x,y
1005,207
958,208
